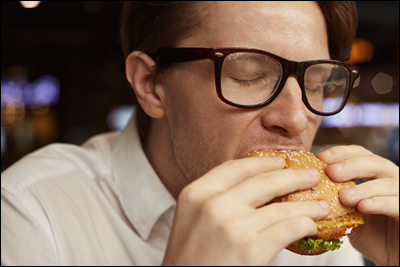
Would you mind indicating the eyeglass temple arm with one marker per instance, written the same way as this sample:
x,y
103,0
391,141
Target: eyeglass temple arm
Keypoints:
x,y
181,54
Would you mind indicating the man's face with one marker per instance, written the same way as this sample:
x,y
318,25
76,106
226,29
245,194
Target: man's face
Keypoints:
x,y
204,131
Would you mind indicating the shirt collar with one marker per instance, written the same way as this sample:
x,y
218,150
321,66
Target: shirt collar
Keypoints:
x,y
143,196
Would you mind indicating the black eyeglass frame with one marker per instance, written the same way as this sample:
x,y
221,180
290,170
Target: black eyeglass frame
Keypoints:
x,y
166,56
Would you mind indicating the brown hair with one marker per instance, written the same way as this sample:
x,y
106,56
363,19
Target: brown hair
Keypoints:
x,y
149,25
341,20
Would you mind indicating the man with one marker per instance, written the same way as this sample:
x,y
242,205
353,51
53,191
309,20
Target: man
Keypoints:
x,y
189,197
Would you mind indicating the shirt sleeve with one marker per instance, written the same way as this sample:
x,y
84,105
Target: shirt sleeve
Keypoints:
x,y
23,239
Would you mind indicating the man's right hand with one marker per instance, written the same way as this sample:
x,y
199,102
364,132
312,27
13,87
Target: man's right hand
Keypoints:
x,y
221,218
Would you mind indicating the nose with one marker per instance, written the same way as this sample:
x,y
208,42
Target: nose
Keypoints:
x,y
287,113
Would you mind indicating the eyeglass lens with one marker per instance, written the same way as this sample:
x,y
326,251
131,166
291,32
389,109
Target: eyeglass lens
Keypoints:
x,y
250,78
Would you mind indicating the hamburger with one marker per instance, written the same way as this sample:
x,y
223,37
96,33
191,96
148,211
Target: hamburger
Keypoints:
x,y
341,219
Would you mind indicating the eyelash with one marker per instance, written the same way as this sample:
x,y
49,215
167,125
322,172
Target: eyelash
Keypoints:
x,y
248,82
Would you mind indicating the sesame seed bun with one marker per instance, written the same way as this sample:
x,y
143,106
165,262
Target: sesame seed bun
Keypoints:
x,y
340,220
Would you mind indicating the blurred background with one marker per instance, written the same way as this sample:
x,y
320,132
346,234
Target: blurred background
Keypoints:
x,y
63,80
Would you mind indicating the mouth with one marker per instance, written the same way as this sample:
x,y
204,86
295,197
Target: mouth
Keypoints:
x,y
281,148
278,149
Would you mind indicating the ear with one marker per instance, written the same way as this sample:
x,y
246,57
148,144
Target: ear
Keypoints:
x,y
139,74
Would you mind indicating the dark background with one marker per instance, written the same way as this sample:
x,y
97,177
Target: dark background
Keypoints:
x,y
78,43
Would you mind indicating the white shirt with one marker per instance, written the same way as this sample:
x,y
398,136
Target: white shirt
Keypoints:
x,y
98,204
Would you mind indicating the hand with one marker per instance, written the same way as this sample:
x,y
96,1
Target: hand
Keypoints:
x,y
378,199
221,218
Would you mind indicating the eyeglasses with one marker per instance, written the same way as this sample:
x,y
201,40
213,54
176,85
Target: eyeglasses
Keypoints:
x,y
252,78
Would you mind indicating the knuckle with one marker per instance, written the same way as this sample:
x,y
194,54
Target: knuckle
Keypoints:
x,y
187,196
281,210
354,146
231,226
229,163
212,207
233,231
259,180
361,149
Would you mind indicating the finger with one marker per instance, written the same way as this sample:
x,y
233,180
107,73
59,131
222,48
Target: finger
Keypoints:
x,y
365,167
262,188
340,153
374,188
388,205
230,173
270,214
284,233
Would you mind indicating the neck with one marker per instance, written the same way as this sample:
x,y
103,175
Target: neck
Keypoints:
x,y
159,152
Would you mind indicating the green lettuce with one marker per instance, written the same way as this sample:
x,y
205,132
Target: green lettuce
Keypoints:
x,y
310,244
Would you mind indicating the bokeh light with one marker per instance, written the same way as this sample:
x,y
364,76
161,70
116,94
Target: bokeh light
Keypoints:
x,y
382,83
362,51
367,114
29,4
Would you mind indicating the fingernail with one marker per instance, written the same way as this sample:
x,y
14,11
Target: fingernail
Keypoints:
x,y
328,153
368,202
351,191
324,204
279,159
313,172
338,167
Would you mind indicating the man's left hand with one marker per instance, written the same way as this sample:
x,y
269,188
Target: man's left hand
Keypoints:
x,y
378,199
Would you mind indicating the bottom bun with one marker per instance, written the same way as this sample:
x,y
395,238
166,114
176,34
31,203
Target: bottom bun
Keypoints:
x,y
298,250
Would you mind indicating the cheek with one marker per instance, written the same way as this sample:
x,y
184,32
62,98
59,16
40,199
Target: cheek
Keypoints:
x,y
194,142
191,97
192,111
313,124
314,121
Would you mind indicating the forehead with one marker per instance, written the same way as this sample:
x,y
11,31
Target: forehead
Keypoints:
x,y
284,28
